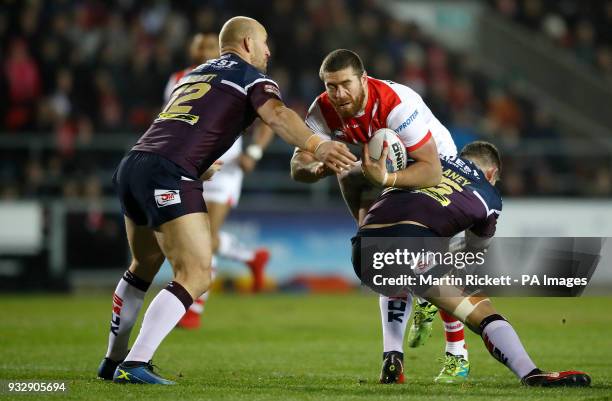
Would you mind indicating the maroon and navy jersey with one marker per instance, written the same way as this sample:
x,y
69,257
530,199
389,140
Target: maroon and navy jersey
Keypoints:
x,y
208,109
463,200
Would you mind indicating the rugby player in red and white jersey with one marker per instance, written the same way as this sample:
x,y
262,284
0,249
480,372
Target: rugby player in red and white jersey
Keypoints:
x,y
352,108
222,191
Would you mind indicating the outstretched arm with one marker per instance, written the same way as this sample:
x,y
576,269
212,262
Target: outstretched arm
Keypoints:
x,y
290,127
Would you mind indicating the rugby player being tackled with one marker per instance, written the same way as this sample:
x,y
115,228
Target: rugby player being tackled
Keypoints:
x,y
352,108
466,199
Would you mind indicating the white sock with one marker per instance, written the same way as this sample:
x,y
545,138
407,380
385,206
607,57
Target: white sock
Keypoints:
x,y
457,348
230,247
394,314
127,301
163,314
504,345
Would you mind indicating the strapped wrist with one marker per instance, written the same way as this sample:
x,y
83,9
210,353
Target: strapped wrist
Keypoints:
x,y
313,142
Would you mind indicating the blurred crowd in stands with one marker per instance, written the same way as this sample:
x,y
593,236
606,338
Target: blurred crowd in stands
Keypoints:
x,y
74,70
582,27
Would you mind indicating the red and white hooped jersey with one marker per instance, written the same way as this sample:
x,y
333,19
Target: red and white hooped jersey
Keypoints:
x,y
390,105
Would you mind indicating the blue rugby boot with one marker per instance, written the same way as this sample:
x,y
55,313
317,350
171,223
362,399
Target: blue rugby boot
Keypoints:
x,y
138,373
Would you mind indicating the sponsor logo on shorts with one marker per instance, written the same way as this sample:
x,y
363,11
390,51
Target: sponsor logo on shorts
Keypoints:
x,y
167,197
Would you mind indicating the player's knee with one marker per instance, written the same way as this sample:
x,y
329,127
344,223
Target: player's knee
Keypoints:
x,y
472,311
148,266
201,280
203,272
196,272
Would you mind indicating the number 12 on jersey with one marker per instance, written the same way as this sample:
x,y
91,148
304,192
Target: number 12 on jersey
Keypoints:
x,y
177,107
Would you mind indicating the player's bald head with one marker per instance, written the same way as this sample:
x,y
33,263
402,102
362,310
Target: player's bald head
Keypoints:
x,y
236,29
247,38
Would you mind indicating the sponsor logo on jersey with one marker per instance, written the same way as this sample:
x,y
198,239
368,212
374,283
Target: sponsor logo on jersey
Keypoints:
x,y
408,121
273,89
221,63
184,117
167,197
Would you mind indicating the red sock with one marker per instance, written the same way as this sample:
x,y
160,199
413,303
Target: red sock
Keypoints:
x,y
455,335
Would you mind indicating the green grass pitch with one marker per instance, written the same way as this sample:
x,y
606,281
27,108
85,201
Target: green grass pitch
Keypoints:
x,y
282,347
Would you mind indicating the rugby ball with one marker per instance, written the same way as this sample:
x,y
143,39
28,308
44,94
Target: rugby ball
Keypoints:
x,y
397,156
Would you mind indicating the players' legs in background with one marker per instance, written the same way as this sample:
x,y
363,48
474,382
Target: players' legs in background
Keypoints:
x,y
222,193
186,243
232,248
228,246
129,295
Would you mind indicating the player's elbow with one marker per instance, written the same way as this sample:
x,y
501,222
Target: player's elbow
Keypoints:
x,y
277,118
